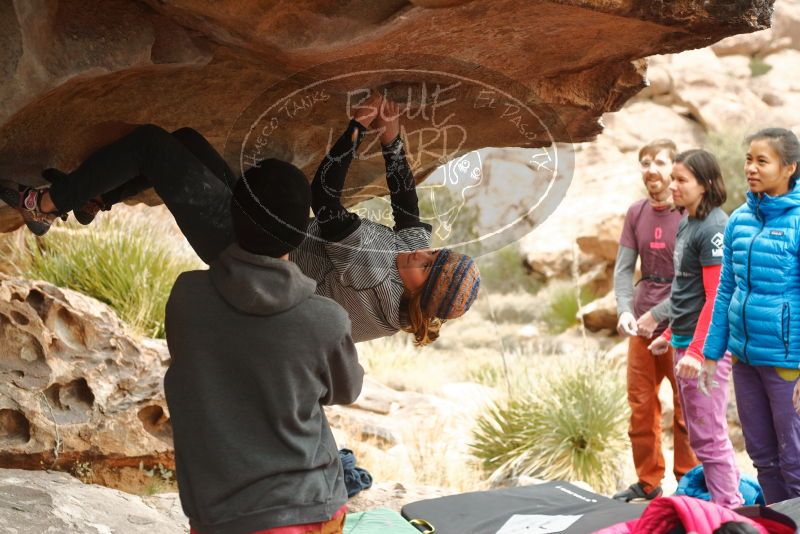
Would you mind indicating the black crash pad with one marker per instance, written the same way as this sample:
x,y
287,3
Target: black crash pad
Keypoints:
x,y
484,512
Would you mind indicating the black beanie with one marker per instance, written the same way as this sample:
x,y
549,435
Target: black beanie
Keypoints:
x,y
270,208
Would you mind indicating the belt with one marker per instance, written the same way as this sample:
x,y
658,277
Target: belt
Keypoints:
x,y
660,279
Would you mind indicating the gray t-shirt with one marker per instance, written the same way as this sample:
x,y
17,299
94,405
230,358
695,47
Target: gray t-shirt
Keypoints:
x,y
698,245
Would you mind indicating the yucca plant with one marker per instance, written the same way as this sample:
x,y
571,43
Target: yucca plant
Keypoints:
x,y
572,427
126,261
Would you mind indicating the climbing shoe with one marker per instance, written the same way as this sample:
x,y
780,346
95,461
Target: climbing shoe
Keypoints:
x,y
86,213
26,200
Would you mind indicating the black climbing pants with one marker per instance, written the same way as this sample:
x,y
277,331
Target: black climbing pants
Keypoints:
x,y
187,173
196,184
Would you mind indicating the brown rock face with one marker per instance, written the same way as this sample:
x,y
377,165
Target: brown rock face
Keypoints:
x,y
499,73
600,314
74,386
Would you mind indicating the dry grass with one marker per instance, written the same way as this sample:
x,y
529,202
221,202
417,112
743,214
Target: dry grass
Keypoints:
x,y
509,308
126,259
488,346
397,363
430,456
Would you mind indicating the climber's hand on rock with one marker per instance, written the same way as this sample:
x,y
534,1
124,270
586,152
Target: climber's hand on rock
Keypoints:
x,y
388,121
365,111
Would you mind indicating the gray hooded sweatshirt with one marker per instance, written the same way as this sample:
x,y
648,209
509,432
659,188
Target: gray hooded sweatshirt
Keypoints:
x,y
255,355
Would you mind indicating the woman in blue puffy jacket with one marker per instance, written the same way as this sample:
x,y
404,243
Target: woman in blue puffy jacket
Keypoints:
x,y
757,310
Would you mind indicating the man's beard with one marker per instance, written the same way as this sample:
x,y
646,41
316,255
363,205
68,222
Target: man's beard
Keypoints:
x,y
662,190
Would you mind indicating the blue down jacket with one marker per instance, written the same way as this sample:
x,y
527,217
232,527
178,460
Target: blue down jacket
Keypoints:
x,y
757,309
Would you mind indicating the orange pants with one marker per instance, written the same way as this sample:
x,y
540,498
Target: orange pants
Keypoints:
x,y
645,374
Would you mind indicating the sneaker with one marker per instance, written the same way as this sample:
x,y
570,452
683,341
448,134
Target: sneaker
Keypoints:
x,y
86,213
26,201
635,492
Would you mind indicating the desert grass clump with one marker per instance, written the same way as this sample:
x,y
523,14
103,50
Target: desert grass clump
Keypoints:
x,y
504,271
394,361
571,425
489,374
444,463
437,457
562,306
126,261
508,308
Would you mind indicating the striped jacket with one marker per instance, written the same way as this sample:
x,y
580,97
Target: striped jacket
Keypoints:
x,y
360,273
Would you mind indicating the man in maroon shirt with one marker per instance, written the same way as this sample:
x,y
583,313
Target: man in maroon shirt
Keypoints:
x,y
649,233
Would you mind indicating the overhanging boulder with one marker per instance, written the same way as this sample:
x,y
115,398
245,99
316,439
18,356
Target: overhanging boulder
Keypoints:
x,y
503,73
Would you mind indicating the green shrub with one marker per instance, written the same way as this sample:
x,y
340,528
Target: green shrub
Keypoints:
x,y
562,306
503,271
729,149
759,67
574,427
124,261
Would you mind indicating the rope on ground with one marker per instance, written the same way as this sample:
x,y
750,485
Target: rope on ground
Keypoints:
x,y
59,443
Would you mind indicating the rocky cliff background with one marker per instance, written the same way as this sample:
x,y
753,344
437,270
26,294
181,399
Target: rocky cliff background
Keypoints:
x,y
710,98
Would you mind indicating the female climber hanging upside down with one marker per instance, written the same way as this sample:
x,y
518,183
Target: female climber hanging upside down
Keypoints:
x,y
387,279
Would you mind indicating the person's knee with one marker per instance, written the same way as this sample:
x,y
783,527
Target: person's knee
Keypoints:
x,y
151,133
763,454
187,134
767,464
788,457
641,401
710,443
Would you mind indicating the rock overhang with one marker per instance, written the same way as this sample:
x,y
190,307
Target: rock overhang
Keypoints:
x,y
75,79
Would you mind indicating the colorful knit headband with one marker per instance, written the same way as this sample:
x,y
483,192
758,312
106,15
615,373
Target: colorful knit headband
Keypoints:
x,y
452,285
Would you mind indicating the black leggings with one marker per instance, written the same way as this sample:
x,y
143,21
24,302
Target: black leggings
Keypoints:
x,y
195,183
187,173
